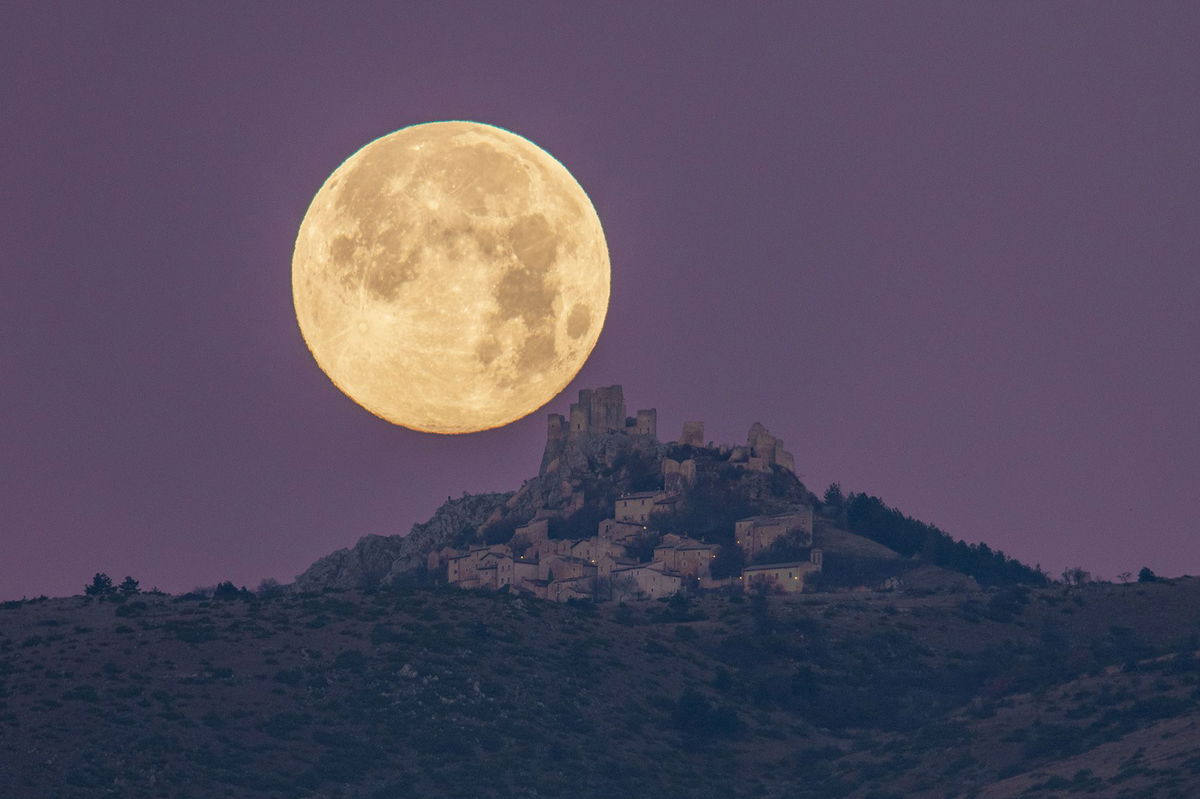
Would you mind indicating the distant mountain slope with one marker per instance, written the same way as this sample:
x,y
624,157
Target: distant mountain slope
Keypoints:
x,y
436,692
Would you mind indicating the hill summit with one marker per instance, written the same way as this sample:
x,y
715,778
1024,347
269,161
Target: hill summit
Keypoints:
x,y
614,513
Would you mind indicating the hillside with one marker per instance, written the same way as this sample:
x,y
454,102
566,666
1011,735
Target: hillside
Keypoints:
x,y
704,491
433,692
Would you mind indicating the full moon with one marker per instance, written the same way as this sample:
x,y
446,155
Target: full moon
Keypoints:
x,y
451,277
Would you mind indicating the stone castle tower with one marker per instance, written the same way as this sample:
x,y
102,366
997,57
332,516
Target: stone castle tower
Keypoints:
x,y
599,411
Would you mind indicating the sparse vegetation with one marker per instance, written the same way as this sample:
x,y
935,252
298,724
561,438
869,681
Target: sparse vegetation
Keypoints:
x,y
904,692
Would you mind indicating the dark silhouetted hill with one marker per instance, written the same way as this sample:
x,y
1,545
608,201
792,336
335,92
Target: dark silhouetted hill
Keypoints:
x,y
417,691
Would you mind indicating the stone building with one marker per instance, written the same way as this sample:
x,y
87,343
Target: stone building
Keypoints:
x,y
583,588
563,567
781,577
638,506
608,563
644,581
485,572
686,556
461,569
515,571
756,533
621,532
592,549
536,530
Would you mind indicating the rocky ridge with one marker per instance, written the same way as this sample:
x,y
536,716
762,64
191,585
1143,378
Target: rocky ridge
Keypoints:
x,y
379,559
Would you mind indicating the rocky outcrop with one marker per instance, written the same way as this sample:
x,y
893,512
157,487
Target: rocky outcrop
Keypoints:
x,y
379,559
363,565
611,459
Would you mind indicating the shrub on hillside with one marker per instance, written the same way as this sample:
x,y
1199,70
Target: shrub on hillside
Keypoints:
x,y
227,590
583,523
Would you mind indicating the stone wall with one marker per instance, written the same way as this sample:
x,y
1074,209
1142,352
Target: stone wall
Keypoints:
x,y
678,475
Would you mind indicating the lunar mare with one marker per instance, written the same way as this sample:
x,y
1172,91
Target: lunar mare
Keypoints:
x,y
451,277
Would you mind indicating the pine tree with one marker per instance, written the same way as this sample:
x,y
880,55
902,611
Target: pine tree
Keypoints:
x,y
101,585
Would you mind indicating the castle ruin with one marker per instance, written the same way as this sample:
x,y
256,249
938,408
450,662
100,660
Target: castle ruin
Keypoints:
x,y
599,564
762,451
599,411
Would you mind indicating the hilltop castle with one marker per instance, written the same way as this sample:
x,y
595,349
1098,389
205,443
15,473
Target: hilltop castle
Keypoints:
x,y
599,411
599,562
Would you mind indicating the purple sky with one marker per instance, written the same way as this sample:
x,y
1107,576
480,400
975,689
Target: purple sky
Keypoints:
x,y
947,251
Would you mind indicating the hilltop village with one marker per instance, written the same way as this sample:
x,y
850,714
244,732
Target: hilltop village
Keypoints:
x,y
625,557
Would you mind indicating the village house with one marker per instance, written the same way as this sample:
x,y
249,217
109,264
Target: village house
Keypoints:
x,y
686,556
562,567
583,588
599,567
548,547
666,503
592,549
637,507
644,581
781,577
514,571
757,533
621,532
485,572
608,563
462,568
